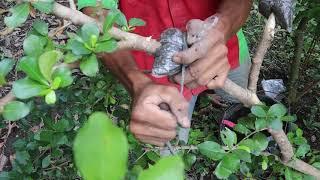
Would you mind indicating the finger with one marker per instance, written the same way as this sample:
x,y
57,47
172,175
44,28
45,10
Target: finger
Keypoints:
x,y
160,119
151,140
143,129
196,51
195,71
219,81
178,105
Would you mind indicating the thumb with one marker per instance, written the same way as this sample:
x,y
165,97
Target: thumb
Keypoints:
x,y
178,106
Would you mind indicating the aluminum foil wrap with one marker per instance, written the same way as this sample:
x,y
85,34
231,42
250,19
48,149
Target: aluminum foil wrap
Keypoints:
x,y
282,9
172,41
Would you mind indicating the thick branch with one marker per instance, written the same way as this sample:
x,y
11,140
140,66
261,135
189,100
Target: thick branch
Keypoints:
x,y
283,142
248,98
257,60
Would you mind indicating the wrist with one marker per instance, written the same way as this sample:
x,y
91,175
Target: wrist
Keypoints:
x,y
138,81
224,26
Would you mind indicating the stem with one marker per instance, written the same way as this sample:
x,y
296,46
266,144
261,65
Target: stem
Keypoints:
x,y
265,43
254,132
294,69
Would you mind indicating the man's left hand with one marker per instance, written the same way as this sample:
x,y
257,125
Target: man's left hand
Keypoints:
x,y
206,59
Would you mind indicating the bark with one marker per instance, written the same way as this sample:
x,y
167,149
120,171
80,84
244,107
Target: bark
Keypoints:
x,y
257,60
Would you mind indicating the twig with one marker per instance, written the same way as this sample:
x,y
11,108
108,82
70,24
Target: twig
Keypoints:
x,y
6,31
257,60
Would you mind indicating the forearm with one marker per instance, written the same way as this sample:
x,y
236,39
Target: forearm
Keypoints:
x,y
232,15
123,66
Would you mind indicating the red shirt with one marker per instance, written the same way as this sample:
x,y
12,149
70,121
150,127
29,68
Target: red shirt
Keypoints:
x,y
162,14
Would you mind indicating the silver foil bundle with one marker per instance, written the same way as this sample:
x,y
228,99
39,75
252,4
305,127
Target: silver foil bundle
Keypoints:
x,y
172,41
282,9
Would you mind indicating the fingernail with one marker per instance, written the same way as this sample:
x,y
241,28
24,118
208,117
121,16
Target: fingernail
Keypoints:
x,y
186,122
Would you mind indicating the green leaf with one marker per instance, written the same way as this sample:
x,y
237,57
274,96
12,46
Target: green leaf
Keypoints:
x,y
211,150
241,129
88,30
41,27
110,19
46,62
136,22
153,156
22,157
189,160
121,20
277,110
51,97
86,3
15,110
242,155
110,4
19,15
316,165
70,57
106,46
258,111
228,137
29,65
276,124
264,164
77,47
101,149
227,166
288,174
302,150
46,162
261,141
288,118
261,123
45,6
6,66
257,144
65,75
89,66
27,88
33,46
170,167
56,83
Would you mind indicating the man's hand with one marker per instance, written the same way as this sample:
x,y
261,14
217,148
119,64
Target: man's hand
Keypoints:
x,y
207,57
152,125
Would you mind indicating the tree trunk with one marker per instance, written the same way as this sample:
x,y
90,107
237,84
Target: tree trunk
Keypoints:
x,y
294,68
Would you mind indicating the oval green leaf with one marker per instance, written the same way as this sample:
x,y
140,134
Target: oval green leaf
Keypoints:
x,y
15,110
46,62
101,149
170,167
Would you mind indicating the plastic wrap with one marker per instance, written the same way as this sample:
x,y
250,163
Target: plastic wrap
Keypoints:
x,y
282,9
172,41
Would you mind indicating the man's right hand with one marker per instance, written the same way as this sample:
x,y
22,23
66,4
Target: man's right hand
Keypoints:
x,y
151,124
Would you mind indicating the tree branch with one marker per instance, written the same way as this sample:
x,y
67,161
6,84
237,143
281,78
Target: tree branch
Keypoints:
x,y
265,43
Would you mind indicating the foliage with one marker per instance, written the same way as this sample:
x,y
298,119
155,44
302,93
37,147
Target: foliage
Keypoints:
x,y
100,143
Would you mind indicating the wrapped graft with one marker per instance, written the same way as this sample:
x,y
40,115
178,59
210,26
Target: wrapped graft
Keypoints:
x,y
282,9
172,41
